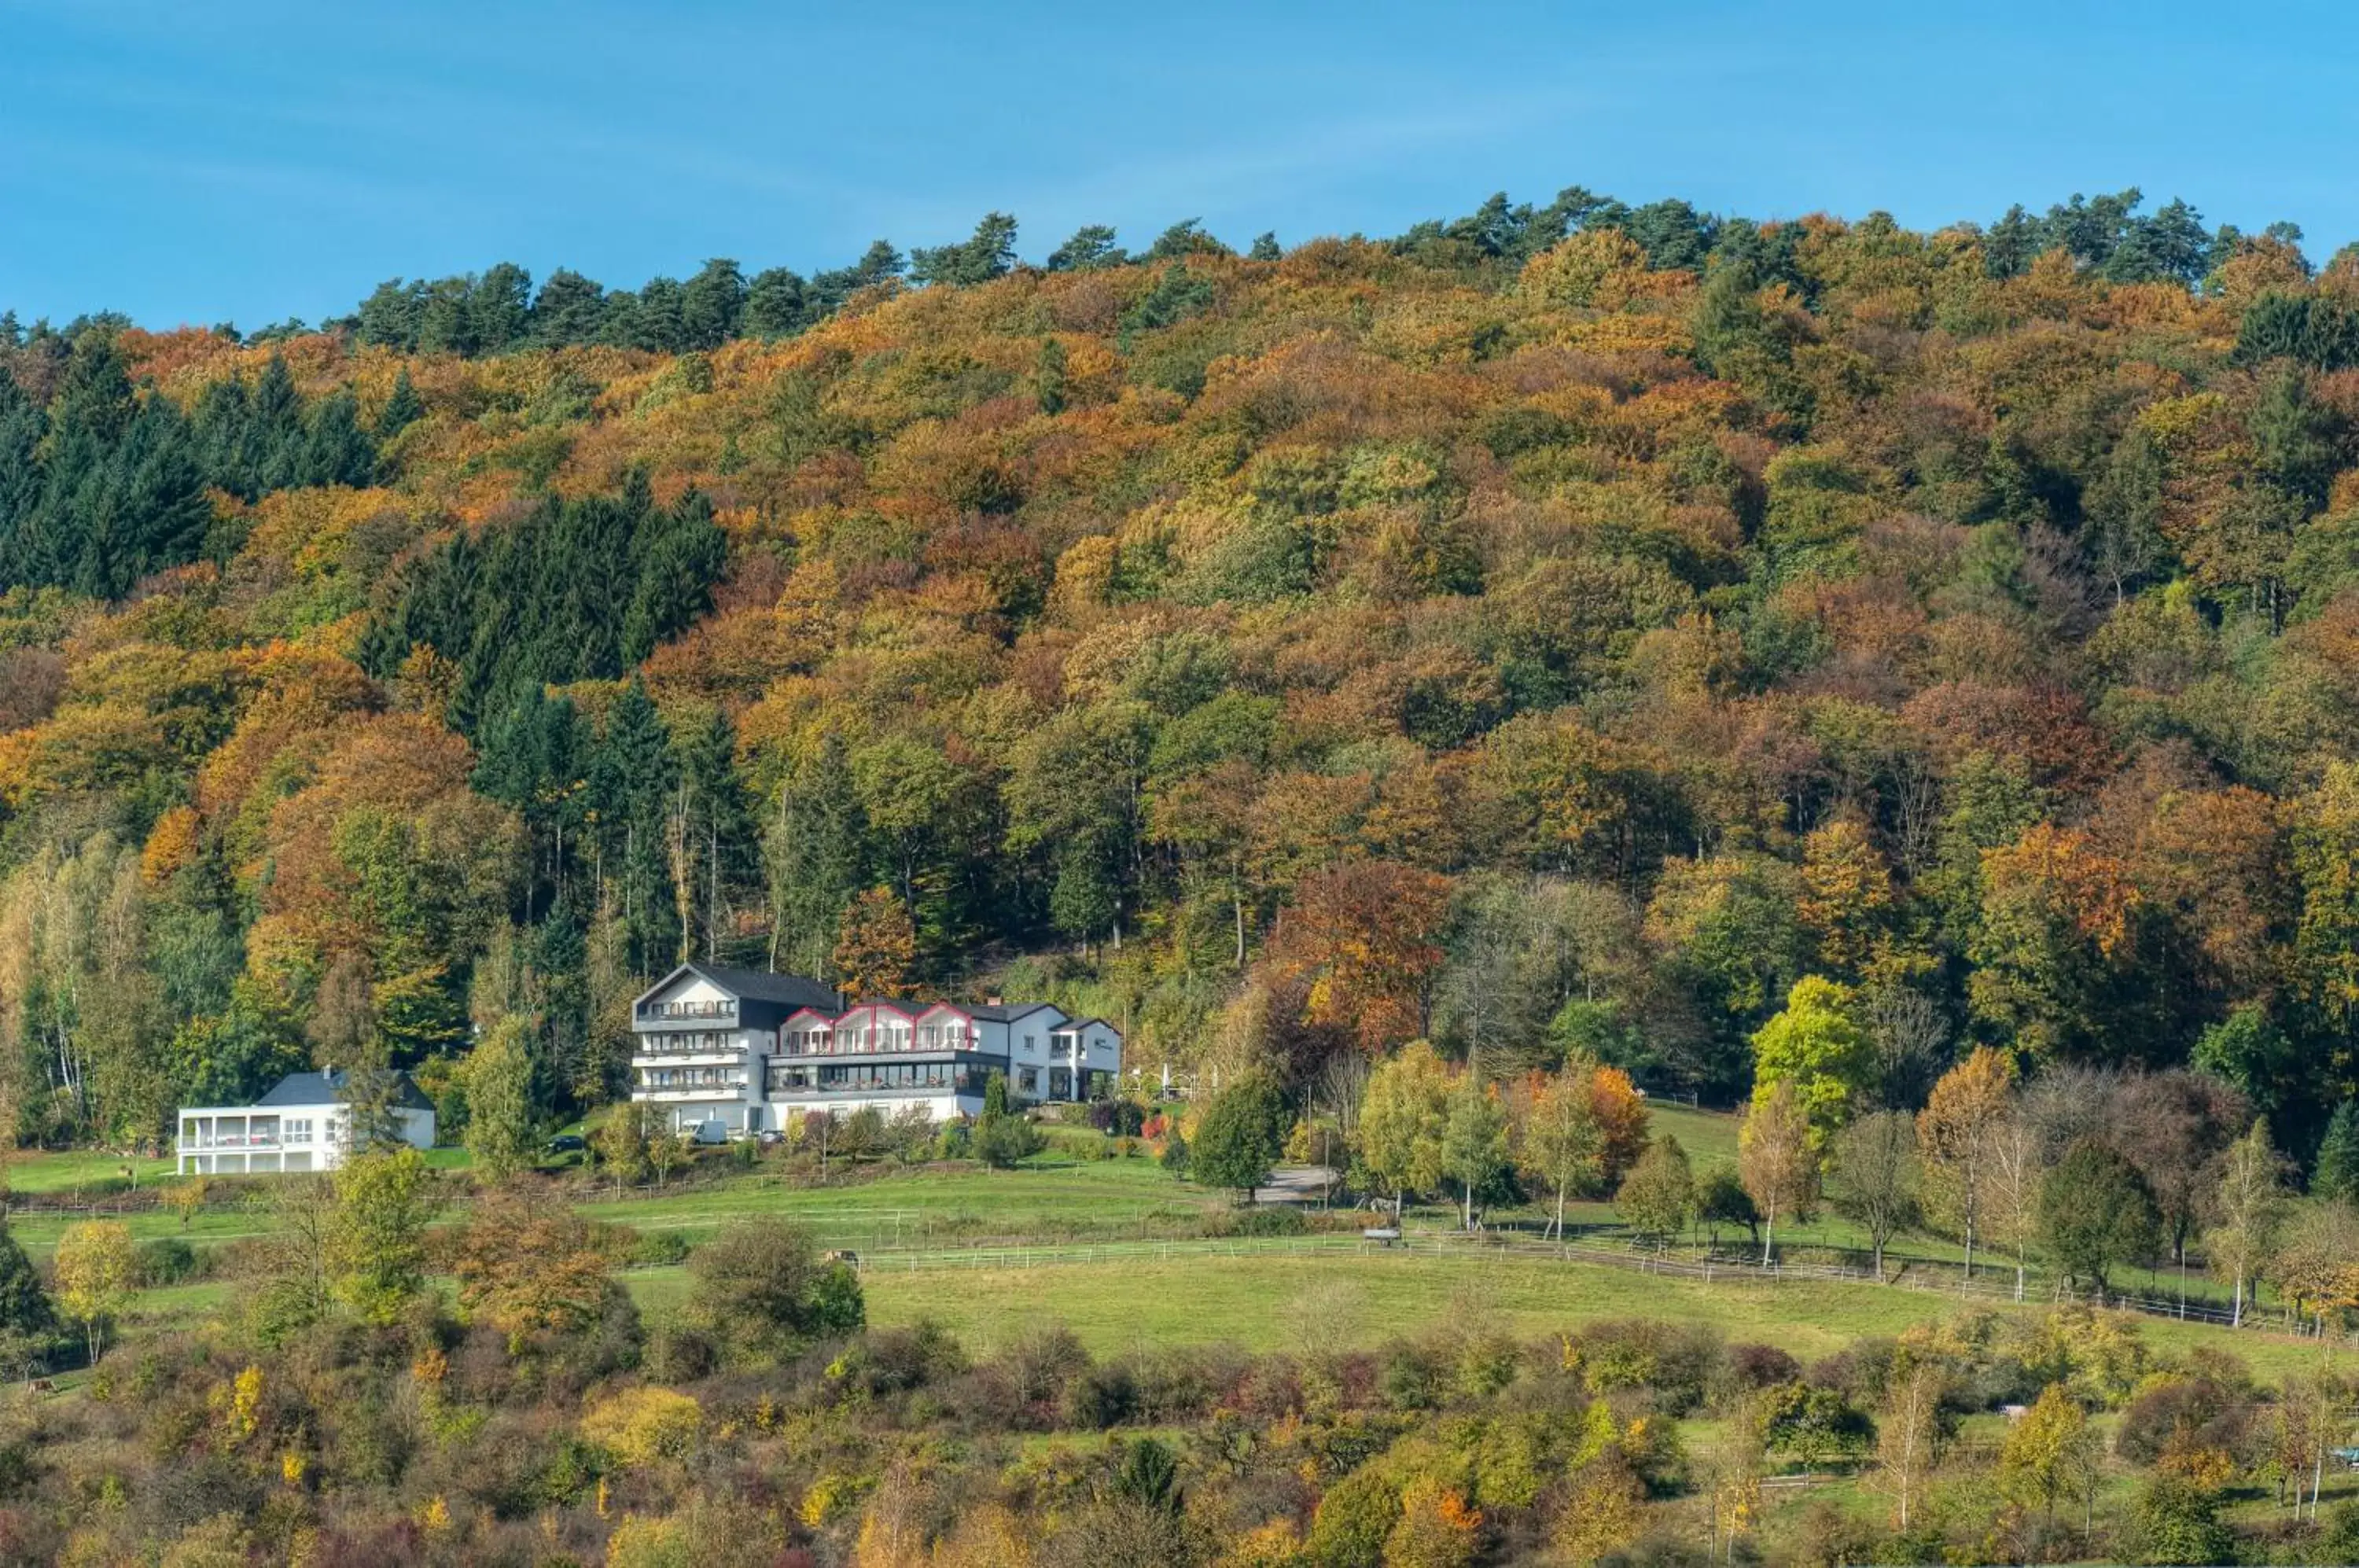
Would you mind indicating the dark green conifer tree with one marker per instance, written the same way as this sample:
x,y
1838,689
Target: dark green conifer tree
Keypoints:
x,y
1092,246
678,556
275,442
989,253
815,853
571,310
659,324
499,308
2336,1173
775,304
402,409
336,451
630,777
22,425
711,304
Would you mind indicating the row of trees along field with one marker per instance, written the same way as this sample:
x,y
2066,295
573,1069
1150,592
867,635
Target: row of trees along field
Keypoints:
x,y
2086,1173
1578,629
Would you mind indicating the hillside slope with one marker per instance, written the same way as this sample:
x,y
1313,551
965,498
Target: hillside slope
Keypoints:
x,y
1530,645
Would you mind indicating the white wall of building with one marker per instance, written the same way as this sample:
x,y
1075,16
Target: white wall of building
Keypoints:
x,y
255,1140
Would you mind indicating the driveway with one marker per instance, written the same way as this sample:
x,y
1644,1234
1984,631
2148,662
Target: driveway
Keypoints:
x,y
1298,1185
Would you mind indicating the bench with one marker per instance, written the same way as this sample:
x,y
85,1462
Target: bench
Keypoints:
x,y
1386,1233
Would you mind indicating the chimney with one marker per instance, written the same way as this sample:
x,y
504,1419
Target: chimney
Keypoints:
x,y
994,1002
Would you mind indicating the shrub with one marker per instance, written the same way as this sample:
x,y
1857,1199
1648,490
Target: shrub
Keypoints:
x,y
1675,1362
2179,1522
1813,1424
1101,1398
1412,1378
639,1426
1284,1220
164,1260
761,1282
1761,1365
657,1249
1355,1518
1117,1118
2339,1542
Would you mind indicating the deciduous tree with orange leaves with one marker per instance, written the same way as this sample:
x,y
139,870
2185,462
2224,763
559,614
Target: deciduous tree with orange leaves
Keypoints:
x,y
1364,935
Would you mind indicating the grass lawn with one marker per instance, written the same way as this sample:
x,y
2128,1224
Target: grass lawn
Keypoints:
x,y
1048,1200
1290,1301
1193,1295
87,1168
1709,1137
936,1206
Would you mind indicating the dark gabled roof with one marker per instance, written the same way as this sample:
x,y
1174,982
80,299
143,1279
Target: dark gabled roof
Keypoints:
x,y
327,1088
998,1014
761,985
758,985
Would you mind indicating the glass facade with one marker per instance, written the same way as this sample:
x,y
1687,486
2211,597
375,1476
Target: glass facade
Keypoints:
x,y
875,1077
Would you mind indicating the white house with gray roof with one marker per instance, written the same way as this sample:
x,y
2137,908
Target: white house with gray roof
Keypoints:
x,y
741,1052
304,1124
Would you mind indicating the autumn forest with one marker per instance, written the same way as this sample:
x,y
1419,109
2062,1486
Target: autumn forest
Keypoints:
x,y
1812,667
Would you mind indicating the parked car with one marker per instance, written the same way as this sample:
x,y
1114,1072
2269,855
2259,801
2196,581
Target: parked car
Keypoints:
x,y
567,1143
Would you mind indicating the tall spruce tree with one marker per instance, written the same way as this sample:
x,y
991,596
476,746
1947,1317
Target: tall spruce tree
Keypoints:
x,y
22,425
2336,1173
630,777
402,409
814,851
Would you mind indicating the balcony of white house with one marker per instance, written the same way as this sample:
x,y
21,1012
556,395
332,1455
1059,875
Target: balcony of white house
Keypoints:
x,y
662,1084
876,1041
797,1080
231,1142
690,1048
661,1015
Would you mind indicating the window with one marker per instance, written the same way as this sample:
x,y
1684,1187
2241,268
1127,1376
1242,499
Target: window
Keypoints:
x,y
1029,1078
1032,1044
299,1129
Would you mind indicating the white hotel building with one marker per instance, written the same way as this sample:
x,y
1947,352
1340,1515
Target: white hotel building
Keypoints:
x,y
739,1051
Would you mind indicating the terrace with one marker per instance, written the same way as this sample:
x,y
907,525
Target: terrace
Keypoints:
x,y
876,1041
687,1044
671,1012
208,1131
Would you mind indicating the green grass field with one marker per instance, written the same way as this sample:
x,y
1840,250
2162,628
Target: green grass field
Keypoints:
x,y
1297,1301
1057,1200
1048,1199
92,1170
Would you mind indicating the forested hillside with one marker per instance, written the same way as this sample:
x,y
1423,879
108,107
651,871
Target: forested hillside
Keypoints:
x,y
1559,628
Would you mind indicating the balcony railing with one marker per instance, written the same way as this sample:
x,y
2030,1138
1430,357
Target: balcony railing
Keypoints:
x,y
884,1079
252,1140
699,1045
872,1043
688,1010
683,1083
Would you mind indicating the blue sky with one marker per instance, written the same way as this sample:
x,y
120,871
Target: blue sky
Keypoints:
x,y
197,162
